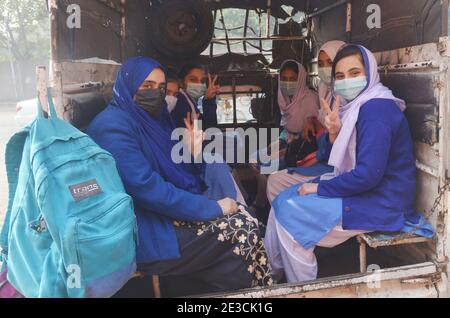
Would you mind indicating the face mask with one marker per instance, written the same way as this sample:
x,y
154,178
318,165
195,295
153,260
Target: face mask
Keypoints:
x,y
196,90
325,74
288,88
350,88
151,100
171,102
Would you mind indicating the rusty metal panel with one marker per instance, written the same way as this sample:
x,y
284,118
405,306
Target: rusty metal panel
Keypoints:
x,y
419,280
404,23
99,35
85,72
417,89
376,240
137,41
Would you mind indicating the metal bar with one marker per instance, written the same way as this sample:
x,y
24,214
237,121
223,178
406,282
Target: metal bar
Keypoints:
x,y
326,9
427,169
247,14
241,92
272,38
260,32
229,29
222,20
348,24
409,66
345,281
362,255
234,100
57,87
123,30
269,13
156,286
82,87
211,46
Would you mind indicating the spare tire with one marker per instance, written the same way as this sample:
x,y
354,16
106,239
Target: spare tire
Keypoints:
x,y
181,28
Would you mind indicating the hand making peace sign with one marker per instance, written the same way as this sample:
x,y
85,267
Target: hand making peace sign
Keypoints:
x,y
193,137
332,118
213,89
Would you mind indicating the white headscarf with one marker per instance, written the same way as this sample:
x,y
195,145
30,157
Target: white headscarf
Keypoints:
x,y
343,154
331,48
304,104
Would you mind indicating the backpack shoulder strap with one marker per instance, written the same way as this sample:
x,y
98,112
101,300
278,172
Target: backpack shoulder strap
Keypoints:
x,y
13,159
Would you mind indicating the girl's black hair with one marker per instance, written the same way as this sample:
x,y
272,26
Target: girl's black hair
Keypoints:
x,y
172,75
291,65
188,68
350,50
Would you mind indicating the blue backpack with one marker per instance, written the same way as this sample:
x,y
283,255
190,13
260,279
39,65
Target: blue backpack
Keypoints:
x,y
70,229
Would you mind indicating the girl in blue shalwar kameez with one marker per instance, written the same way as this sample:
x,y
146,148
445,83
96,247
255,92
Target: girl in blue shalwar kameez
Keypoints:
x,y
373,185
187,216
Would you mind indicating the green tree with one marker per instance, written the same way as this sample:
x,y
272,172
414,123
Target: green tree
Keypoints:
x,y
24,30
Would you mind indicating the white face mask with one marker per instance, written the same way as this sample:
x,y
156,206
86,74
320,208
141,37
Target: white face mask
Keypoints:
x,y
171,102
196,90
325,74
350,88
288,88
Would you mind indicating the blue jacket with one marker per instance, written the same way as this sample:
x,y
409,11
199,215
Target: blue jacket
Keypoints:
x,y
381,189
157,202
182,107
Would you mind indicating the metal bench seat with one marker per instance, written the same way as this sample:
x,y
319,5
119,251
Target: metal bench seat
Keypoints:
x,y
379,239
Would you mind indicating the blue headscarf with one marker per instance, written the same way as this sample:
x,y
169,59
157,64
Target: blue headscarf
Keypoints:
x,y
155,131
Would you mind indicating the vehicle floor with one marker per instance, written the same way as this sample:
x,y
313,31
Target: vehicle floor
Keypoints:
x,y
332,262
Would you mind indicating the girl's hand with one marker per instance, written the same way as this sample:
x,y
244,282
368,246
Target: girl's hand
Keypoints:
x,y
193,137
308,188
312,127
213,89
332,119
228,206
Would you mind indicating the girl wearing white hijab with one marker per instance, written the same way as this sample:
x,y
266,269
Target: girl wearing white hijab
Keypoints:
x,y
373,184
286,178
327,53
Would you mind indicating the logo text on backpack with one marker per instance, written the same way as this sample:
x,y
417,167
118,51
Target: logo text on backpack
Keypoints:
x,y
85,190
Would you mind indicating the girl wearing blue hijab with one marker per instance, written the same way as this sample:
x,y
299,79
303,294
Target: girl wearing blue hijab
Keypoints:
x,y
188,220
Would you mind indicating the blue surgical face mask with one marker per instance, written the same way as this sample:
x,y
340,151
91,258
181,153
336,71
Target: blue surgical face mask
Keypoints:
x,y
350,88
288,88
196,90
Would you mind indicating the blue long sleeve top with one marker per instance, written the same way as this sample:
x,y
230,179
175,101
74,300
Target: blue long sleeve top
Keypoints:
x,y
157,202
381,189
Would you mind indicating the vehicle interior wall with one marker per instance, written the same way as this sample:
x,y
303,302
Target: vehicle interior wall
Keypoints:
x,y
407,25
404,23
114,31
